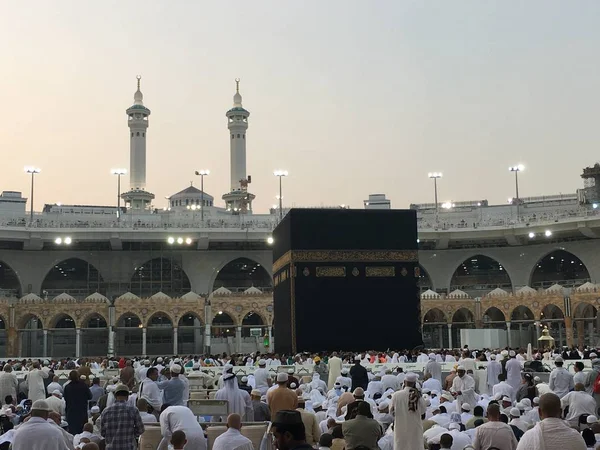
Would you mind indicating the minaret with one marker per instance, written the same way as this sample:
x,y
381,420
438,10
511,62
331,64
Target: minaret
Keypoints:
x,y
137,114
238,200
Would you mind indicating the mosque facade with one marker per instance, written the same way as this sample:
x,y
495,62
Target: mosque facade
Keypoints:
x,y
196,274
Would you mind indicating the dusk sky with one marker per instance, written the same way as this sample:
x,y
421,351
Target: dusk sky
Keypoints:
x,y
351,97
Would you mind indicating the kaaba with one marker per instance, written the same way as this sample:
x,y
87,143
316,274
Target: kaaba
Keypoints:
x,y
346,280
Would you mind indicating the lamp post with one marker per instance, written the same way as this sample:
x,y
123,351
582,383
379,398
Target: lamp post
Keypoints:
x,y
32,171
201,174
118,173
435,176
280,174
516,169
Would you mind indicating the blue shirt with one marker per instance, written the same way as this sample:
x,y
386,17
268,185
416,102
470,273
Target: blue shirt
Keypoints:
x,y
173,391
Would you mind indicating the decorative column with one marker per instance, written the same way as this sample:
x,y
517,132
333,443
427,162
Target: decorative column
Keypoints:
x,y
450,336
238,339
111,331
207,330
144,330
580,333
45,345
12,334
569,331
508,334
175,352
77,342
560,334
270,334
591,334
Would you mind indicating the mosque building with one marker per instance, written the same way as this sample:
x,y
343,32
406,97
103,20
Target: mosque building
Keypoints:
x,y
195,273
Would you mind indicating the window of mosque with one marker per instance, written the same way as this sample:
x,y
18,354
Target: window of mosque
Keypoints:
x,y
233,136
143,134
138,133
131,134
238,136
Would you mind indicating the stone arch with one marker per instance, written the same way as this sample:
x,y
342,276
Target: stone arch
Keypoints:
x,y
479,274
129,334
223,324
124,316
3,323
24,322
435,328
236,275
521,313
75,276
493,317
252,319
159,336
190,337
10,282
157,314
84,322
558,266
435,315
552,312
94,334
160,274
585,310
60,318
181,320
463,316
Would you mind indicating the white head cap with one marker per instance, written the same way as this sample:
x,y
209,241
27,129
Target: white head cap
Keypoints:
x,y
593,356
511,353
176,368
466,407
536,400
262,362
411,377
515,412
492,357
244,379
592,419
282,377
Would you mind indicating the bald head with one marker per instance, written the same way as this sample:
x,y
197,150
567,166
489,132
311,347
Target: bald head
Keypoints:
x,y
359,393
579,387
550,406
234,421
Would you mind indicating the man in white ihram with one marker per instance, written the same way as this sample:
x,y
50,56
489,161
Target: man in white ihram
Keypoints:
x,y
552,433
463,387
37,433
232,439
561,380
434,368
494,368
408,408
261,377
35,381
513,371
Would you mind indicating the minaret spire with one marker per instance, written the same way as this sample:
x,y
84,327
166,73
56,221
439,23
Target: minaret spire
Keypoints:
x,y
238,200
137,120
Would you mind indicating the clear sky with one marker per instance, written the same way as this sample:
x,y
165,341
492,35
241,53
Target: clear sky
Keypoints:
x,y
351,97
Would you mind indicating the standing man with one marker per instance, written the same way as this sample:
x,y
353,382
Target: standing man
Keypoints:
x,y
35,381
463,388
335,369
494,368
359,375
434,368
261,377
121,424
561,380
408,408
281,398
8,383
513,371
173,388
150,391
